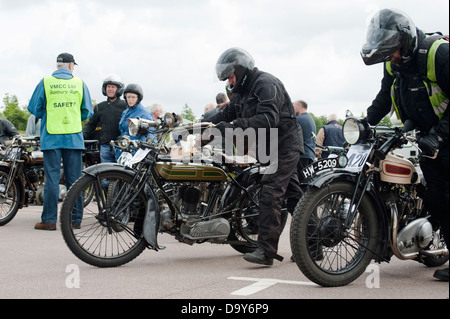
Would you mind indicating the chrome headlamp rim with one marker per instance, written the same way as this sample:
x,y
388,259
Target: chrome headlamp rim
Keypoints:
x,y
354,130
123,142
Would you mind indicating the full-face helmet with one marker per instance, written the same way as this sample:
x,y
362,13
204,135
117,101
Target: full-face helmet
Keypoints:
x,y
388,31
237,61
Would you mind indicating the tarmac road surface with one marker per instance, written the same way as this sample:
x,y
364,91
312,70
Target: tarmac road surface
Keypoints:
x,y
38,264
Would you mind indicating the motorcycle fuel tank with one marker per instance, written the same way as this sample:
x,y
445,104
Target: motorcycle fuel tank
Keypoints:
x,y
190,172
395,169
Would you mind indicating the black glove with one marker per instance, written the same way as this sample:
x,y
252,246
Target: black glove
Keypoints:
x,y
224,125
430,143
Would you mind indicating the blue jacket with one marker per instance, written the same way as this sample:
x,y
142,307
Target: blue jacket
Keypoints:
x,y
132,113
308,126
37,106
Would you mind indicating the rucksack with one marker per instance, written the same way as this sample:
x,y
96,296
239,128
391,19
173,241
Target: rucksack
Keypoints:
x,y
424,50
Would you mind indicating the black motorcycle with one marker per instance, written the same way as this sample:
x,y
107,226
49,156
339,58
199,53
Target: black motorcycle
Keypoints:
x,y
369,207
204,197
22,176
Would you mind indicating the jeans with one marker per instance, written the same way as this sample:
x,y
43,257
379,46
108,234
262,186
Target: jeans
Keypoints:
x,y
106,154
72,164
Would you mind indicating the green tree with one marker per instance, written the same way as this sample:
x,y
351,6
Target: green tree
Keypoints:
x,y
14,113
187,113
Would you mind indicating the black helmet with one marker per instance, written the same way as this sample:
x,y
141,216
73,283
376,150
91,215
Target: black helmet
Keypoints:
x,y
237,61
136,89
115,80
388,31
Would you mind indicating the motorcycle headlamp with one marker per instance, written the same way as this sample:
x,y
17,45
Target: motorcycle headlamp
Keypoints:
x,y
169,119
354,130
123,142
139,126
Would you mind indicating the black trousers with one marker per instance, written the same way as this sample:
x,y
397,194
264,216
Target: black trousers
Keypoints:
x,y
436,174
276,187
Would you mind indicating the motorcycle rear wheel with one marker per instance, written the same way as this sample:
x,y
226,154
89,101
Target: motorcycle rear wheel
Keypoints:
x,y
108,235
244,228
324,251
9,201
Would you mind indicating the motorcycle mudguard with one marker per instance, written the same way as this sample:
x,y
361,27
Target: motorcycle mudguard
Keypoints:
x,y
151,220
327,177
97,168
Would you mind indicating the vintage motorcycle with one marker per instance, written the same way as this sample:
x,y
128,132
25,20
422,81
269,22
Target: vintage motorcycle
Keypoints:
x,y
368,205
22,175
207,196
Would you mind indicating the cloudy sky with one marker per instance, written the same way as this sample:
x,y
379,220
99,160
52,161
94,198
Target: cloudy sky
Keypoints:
x,y
170,47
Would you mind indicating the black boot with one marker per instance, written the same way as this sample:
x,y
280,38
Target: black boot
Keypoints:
x,y
258,257
441,274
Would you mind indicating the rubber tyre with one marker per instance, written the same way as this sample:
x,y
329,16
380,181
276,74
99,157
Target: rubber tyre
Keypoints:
x,y
9,204
80,241
328,272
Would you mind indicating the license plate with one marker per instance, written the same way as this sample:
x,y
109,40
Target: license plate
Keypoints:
x,y
357,156
320,165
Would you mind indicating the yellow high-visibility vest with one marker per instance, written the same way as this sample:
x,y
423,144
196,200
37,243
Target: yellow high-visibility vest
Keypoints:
x,y
438,98
64,98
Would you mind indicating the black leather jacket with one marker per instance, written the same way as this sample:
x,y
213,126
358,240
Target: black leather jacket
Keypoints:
x,y
104,124
413,100
7,131
265,103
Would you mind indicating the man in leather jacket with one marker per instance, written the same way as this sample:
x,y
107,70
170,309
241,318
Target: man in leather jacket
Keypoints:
x,y
260,101
393,38
104,124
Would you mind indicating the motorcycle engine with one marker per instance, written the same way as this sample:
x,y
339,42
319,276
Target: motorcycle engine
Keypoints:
x,y
214,230
190,197
415,236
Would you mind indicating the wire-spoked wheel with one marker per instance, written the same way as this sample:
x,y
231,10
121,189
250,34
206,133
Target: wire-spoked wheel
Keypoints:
x,y
327,252
106,232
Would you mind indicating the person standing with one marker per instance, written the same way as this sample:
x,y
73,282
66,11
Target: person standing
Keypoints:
x,y
260,102
33,126
62,102
156,110
415,83
308,127
329,135
7,131
134,94
104,124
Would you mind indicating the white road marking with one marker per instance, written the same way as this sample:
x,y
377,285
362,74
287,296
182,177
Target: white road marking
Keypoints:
x,y
263,283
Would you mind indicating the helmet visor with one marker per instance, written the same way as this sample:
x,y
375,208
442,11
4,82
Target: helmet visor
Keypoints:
x,y
380,46
224,70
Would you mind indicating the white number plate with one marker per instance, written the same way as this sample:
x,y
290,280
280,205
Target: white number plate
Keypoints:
x,y
357,156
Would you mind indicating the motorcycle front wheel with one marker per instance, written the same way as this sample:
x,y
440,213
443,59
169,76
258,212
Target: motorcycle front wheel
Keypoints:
x,y
109,234
9,200
325,251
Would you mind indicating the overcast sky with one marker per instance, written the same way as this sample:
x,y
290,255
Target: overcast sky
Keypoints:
x,y
170,47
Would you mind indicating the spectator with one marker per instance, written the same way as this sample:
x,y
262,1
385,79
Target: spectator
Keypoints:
x,y
62,113
308,127
133,96
210,110
104,124
157,111
33,126
7,131
329,135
